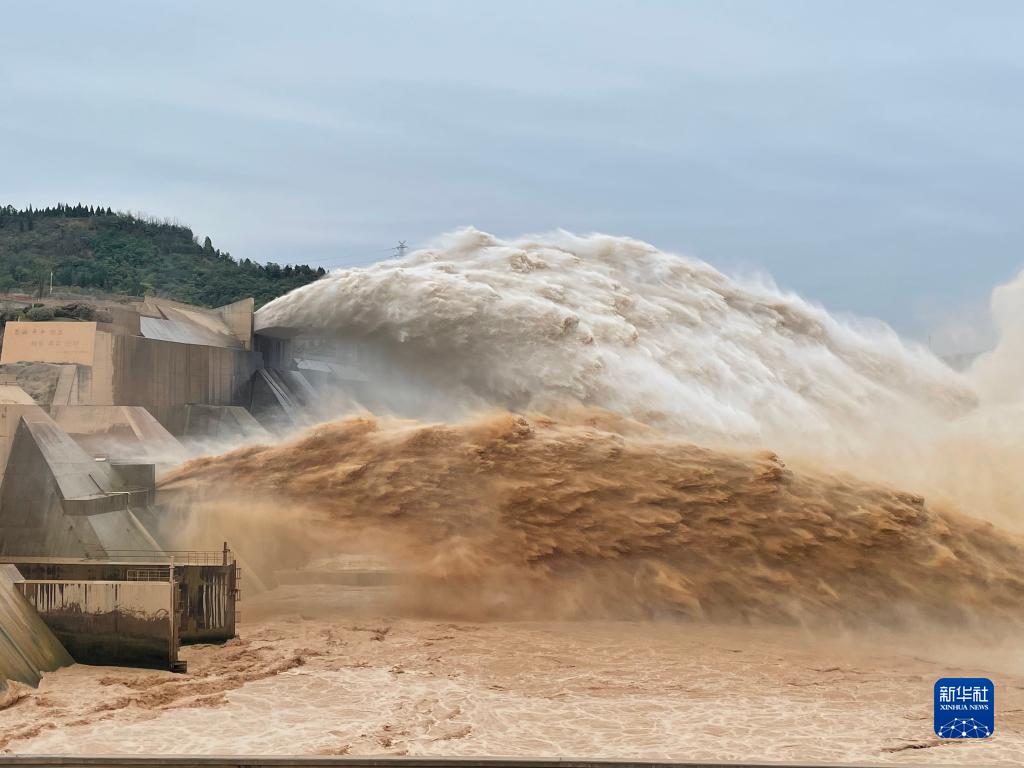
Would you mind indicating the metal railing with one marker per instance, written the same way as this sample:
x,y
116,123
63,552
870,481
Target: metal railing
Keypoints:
x,y
180,556
147,574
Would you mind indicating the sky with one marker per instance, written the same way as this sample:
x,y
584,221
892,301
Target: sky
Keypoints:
x,y
866,155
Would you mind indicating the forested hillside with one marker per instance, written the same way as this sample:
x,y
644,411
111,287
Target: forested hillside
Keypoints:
x,y
96,248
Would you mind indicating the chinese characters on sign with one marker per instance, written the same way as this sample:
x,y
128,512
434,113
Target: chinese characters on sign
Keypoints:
x,y
57,342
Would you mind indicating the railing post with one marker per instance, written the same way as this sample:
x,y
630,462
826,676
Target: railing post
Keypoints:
x,y
172,655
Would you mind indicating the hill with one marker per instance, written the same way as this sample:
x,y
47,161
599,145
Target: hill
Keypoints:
x,y
95,248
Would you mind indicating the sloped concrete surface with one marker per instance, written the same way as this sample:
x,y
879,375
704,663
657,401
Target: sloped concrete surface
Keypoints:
x,y
228,422
229,326
282,399
119,431
58,500
27,646
11,394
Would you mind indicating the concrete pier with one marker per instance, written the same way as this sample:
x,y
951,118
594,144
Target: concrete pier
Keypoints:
x,y
132,612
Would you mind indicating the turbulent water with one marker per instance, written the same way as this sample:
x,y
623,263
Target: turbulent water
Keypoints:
x,y
589,517
615,323
598,431
339,684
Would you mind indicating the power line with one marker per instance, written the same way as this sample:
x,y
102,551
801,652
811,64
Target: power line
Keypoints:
x,y
398,250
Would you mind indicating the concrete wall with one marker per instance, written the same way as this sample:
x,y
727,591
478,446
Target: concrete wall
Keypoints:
x,y
27,646
239,318
276,352
153,373
161,375
123,623
207,594
208,598
125,320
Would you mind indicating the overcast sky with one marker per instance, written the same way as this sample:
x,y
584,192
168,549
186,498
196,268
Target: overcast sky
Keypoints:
x,y
866,154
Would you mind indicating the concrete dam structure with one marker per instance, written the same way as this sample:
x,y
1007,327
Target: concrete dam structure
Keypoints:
x,y
199,373
27,646
55,499
89,413
133,612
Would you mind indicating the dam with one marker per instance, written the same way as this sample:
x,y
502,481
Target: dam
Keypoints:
x,y
92,567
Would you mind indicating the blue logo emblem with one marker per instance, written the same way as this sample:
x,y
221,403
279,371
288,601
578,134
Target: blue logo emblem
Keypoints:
x,y
965,707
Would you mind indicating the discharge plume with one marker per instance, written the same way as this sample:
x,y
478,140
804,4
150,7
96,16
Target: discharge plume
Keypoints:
x,y
616,323
528,324
589,426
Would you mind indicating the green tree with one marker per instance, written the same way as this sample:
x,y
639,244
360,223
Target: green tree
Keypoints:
x,y
122,253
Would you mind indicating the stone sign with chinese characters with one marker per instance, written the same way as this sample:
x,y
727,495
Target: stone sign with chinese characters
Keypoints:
x,y
57,342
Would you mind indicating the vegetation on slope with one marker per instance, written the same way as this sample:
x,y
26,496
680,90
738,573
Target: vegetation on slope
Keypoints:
x,y
98,249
